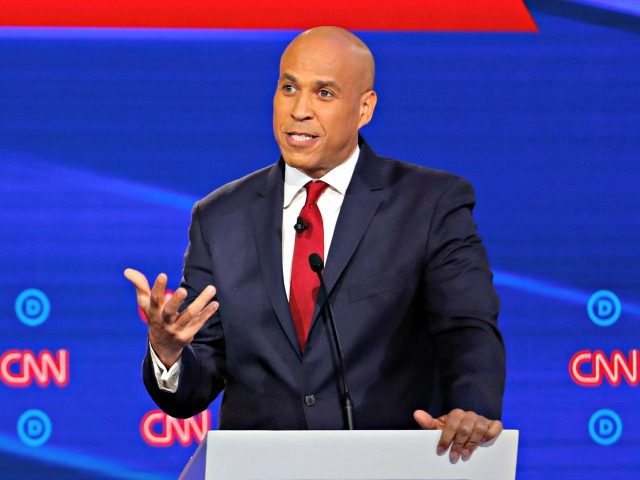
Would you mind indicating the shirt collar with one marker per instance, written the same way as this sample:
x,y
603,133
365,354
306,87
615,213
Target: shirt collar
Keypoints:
x,y
337,178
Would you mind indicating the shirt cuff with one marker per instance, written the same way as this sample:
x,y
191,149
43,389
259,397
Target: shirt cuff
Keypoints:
x,y
167,379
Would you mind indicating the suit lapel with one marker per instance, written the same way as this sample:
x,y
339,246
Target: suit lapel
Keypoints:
x,y
360,204
267,228
358,209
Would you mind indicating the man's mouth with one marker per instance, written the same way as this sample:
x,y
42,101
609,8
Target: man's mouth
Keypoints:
x,y
299,140
300,136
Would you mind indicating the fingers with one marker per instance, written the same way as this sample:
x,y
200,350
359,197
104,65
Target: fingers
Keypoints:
x,y
141,285
202,300
196,321
159,309
157,292
172,305
138,279
170,331
464,431
449,432
478,430
426,421
197,313
152,300
495,429
169,338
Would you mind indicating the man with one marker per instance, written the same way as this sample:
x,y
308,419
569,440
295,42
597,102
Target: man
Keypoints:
x,y
407,277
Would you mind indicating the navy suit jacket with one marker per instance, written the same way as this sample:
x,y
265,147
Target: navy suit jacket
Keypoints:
x,y
411,290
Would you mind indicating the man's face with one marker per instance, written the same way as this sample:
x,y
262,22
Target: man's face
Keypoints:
x,y
320,104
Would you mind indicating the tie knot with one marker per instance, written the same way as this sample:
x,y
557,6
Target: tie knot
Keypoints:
x,y
314,190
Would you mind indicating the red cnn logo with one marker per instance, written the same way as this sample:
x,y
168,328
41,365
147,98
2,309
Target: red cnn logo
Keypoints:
x,y
612,369
22,368
160,430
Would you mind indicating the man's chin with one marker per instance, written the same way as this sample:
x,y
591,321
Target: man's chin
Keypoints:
x,y
304,163
297,159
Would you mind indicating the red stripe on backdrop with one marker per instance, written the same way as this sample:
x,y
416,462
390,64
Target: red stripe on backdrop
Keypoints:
x,y
433,15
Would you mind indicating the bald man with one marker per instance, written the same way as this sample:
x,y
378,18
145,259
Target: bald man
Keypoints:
x,y
407,277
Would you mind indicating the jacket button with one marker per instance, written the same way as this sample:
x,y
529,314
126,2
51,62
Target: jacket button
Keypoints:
x,y
309,400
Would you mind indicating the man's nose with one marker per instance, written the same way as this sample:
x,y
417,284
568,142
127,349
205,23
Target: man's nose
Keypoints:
x,y
302,108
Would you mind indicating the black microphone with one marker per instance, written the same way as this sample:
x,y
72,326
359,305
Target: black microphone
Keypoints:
x,y
300,226
317,265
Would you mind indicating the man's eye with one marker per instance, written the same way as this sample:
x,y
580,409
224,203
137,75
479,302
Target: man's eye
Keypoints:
x,y
288,88
325,93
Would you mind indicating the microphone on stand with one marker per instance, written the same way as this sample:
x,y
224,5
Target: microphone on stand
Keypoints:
x,y
317,265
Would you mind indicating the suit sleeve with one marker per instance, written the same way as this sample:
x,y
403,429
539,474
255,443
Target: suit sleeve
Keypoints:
x,y
463,307
203,366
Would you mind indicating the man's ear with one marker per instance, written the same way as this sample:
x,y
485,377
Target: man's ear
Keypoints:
x,y
368,102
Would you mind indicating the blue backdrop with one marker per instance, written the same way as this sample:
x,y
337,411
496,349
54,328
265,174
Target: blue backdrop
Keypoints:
x,y
107,137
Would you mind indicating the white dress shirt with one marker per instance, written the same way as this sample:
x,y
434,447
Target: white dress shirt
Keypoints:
x,y
295,195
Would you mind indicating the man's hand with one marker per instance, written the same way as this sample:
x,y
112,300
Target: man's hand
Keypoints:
x,y
462,430
170,331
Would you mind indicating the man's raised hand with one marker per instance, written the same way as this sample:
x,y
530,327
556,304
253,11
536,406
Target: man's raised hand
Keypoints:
x,y
170,331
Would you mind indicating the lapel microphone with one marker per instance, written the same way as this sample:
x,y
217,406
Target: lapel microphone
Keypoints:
x,y
317,265
301,226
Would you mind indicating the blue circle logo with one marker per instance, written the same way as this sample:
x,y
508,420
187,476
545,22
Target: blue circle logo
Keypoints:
x,y
604,308
605,427
34,427
33,307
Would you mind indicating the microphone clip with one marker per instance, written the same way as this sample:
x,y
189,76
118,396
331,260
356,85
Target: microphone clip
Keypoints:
x,y
300,225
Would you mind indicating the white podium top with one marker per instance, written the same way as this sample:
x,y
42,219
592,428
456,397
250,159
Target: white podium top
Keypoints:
x,y
344,455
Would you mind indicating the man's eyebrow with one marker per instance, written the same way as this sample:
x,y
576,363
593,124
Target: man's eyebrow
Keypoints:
x,y
318,84
327,83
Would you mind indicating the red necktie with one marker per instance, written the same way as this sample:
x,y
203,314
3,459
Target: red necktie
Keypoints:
x,y
304,281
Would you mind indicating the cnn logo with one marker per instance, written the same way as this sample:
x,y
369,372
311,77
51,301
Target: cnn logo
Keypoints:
x,y
589,369
160,430
22,368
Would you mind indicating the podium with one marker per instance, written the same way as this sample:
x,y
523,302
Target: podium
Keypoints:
x,y
344,455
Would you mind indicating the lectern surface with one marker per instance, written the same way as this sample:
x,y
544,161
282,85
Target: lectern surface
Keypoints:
x,y
342,455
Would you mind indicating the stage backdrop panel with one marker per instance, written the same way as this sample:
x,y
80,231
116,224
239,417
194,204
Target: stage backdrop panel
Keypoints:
x,y
107,137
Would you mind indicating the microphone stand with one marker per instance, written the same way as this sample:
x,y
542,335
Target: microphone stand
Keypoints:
x,y
317,265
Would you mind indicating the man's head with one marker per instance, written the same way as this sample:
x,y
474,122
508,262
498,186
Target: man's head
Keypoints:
x,y
324,95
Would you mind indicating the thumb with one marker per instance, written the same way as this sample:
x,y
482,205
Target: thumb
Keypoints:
x,y
141,284
426,421
138,279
